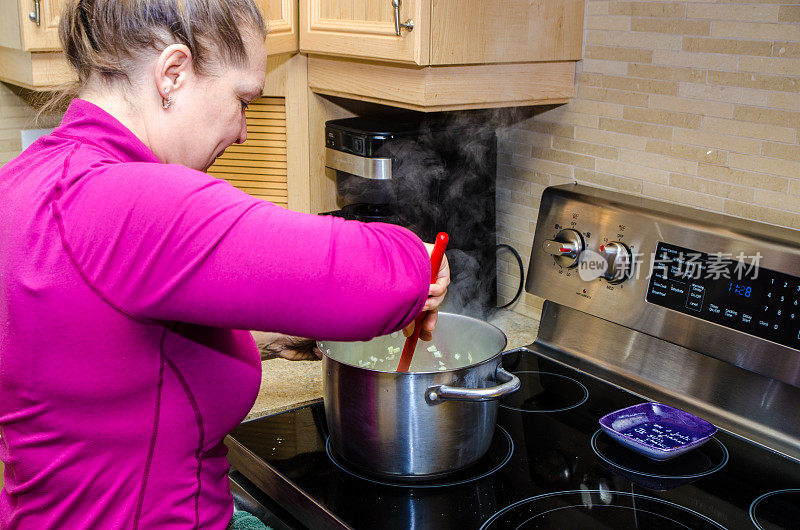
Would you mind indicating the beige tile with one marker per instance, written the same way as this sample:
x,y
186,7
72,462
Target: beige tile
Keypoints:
x,y
667,73
596,37
794,187
679,196
753,80
647,41
780,201
763,214
692,106
543,165
513,185
597,7
778,150
512,221
749,130
563,116
616,53
773,166
727,94
786,49
675,27
784,118
669,88
563,157
715,61
602,67
711,187
524,174
689,152
712,140
620,23
770,65
595,108
517,210
755,30
632,171
748,179
790,14
727,46
615,139
546,127
644,130
588,79
585,148
648,9
658,161
662,117
528,137
621,97
742,12
783,100
607,180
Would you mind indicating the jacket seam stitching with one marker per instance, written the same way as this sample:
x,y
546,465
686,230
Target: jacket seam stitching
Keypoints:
x,y
153,435
198,418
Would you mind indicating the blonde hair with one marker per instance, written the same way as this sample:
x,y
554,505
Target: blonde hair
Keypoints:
x,y
107,37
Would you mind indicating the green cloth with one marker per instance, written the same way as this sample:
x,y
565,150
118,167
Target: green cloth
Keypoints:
x,y
246,521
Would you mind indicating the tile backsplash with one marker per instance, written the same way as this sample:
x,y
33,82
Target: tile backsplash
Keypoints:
x,y
696,103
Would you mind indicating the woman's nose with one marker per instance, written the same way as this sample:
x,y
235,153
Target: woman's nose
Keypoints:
x,y
243,132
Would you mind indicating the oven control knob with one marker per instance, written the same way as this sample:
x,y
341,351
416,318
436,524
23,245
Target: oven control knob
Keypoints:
x,y
565,248
619,261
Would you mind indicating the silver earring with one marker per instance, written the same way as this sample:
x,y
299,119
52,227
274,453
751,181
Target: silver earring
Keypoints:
x,y
166,103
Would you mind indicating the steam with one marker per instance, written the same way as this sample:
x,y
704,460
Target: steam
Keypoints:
x,y
444,180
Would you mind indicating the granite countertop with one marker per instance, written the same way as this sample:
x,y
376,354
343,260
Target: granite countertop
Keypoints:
x,y
290,384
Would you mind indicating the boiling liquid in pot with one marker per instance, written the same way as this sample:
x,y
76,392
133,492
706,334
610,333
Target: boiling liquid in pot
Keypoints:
x,y
454,345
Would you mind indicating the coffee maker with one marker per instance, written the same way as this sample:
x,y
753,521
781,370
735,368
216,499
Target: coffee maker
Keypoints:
x,y
429,175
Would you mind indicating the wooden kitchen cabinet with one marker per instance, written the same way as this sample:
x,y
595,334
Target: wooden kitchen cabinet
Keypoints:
x,y
460,54
31,57
445,32
30,25
281,19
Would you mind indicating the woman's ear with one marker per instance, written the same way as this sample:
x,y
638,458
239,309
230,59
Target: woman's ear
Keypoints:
x,y
172,70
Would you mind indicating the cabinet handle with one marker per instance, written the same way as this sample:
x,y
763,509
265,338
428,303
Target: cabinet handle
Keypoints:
x,y
408,24
35,15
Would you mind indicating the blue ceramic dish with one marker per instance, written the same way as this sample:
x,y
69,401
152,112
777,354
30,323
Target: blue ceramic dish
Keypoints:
x,y
657,431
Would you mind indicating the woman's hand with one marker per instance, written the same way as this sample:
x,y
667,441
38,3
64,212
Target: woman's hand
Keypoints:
x,y
436,293
272,345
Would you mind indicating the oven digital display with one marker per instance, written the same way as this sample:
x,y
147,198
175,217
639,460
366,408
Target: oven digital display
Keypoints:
x,y
727,291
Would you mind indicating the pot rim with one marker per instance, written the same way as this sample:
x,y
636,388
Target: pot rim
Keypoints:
x,y
432,372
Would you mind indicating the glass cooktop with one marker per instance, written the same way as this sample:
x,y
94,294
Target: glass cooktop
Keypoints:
x,y
550,469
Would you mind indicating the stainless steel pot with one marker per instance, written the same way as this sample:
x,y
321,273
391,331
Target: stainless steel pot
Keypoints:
x,y
431,421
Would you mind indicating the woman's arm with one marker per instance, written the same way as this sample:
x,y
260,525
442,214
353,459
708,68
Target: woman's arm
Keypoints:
x,y
163,242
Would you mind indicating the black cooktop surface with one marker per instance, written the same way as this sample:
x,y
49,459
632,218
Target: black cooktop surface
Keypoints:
x,y
549,467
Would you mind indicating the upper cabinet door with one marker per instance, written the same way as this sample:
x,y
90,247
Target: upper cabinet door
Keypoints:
x,y
366,29
281,19
30,25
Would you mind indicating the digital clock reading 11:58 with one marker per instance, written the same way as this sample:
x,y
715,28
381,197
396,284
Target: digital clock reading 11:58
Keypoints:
x,y
741,290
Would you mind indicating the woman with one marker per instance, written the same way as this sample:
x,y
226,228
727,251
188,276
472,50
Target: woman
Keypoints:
x,y
127,271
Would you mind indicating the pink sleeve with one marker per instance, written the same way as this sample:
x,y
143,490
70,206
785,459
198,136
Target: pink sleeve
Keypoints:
x,y
164,242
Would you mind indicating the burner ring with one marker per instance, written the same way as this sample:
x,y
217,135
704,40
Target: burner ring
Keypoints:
x,y
755,503
580,493
720,465
580,401
437,484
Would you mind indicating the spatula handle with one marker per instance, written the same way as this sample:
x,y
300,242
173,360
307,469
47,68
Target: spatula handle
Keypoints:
x,y
411,341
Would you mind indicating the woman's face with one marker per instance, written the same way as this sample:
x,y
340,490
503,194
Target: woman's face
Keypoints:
x,y
207,113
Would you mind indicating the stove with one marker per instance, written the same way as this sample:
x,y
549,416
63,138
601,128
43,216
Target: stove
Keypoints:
x,y
645,301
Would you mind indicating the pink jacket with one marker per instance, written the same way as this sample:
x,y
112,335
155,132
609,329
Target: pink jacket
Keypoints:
x,y
123,282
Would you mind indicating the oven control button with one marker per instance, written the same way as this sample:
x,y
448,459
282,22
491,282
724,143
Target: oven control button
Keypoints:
x,y
565,248
618,260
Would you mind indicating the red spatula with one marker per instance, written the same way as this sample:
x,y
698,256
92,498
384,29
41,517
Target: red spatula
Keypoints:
x,y
411,341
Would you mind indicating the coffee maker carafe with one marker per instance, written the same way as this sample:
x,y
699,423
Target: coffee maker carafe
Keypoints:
x,y
430,175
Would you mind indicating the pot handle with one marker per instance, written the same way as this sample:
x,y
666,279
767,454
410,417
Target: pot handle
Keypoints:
x,y
509,383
